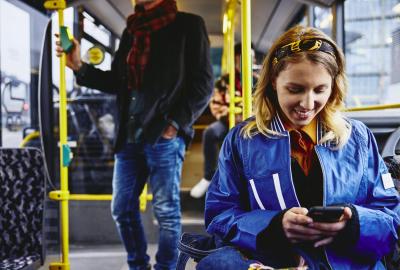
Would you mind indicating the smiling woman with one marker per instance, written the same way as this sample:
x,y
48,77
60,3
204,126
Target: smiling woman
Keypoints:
x,y
303,67
302,89
297,152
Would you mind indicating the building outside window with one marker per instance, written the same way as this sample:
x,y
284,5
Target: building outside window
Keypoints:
x,y
372,30
323,19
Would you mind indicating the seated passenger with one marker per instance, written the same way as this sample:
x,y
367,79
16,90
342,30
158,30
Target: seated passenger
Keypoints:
x,y
215,133
299,151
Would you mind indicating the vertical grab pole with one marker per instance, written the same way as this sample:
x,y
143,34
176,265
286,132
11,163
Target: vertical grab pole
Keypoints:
x,y
224,60
65,153
246,58
231,60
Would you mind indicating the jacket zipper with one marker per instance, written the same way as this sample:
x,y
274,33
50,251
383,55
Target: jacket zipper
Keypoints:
x,y
290,173
323,196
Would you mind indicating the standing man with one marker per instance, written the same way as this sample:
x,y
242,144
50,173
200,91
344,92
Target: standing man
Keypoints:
x,y
162,77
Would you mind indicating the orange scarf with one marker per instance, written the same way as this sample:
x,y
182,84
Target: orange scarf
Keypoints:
x,y
302,144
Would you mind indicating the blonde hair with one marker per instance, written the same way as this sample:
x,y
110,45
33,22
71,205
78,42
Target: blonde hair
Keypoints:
x,y
265,99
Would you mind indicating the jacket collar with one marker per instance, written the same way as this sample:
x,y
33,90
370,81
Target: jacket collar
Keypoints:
x,y
277,126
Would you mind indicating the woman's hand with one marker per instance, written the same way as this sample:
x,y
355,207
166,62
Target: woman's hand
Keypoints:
x,y
330,230
74,61
296,226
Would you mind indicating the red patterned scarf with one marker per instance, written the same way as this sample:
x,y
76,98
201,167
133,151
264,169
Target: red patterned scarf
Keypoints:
x,y
141,24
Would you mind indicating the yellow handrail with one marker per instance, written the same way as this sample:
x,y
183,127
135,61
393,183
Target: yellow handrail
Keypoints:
x,y
29,137
231,9
224,60
374,107
63,193
143,198
90,197
246,58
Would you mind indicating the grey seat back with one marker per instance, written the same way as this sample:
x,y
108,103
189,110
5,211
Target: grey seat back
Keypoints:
x,y
22,194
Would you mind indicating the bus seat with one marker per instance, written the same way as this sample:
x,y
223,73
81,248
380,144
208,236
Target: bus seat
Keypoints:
x,y
393,164
195,246
22,189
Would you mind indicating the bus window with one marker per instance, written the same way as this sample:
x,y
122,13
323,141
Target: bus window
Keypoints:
x,y
92,116
19,54
323,19
117,40
373,51
99,32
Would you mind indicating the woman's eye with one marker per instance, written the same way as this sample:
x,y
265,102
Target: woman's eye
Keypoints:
x,y
320,90
294,89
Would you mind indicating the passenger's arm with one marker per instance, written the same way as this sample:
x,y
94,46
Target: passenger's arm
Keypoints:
x,y
198,76
379,216
227,210
106,81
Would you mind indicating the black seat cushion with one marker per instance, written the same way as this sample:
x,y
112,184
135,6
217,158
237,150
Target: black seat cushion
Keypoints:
x,y
393,164
22,189
28,262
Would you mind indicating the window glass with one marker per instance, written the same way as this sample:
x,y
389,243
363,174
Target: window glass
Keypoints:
x,y
117,40
323,19
372,30
98,32
19,64
92,120
216,55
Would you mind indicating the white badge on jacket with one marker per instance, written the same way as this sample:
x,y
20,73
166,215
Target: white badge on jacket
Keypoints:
x,y
387,181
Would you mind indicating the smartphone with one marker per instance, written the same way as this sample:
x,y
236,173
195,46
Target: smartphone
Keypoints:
x,y
327,214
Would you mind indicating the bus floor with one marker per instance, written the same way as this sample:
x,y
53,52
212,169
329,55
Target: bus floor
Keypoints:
x,y
101,257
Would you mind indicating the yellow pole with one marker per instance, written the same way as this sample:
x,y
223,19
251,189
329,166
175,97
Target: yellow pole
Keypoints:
x,y
246,58
231,60
224,60
63,165
63,194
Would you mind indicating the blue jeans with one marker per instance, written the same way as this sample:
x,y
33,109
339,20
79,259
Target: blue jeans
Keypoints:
x,y
161,164
227,258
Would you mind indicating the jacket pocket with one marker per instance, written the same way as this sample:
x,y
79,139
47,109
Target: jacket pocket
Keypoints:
x,y
266,193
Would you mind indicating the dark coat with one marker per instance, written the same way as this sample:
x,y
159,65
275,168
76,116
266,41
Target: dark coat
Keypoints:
x,y
177,83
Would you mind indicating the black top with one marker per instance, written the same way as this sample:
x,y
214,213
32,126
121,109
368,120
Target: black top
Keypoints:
x,y
309,189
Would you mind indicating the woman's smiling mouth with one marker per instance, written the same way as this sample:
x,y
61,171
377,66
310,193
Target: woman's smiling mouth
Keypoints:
x,y
303,115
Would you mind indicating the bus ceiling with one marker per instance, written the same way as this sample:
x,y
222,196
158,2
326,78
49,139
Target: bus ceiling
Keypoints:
x,y
269,18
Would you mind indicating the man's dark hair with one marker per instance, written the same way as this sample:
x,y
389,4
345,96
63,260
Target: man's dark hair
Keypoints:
x,y
238,48
222,83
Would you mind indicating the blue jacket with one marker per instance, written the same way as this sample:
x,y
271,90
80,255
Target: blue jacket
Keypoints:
x,y
254,183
